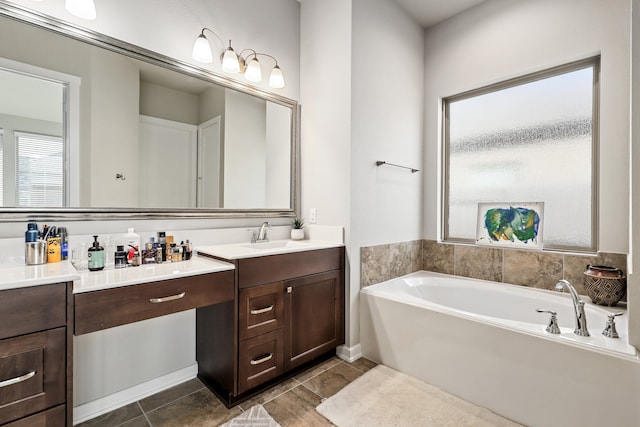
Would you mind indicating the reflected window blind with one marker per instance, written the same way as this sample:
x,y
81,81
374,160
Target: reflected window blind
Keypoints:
x,y
39,170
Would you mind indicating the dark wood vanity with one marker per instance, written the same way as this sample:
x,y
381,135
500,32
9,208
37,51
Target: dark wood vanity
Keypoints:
x,y
289,313
36,353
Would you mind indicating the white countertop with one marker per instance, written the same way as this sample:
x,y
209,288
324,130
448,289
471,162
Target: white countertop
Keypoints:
x,y
249,250
117,277
15,274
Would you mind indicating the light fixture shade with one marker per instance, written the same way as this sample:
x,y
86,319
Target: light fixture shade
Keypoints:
x,y
85,9
230,63
202,50
253,73
276,79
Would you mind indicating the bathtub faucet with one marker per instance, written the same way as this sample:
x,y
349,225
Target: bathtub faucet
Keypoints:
x,y
578,307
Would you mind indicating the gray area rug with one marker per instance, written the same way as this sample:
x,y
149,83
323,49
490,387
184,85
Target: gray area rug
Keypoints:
x,y
385,397
256,416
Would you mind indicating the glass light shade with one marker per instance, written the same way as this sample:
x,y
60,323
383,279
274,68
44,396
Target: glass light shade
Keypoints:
x,y
85,9
202,50
230,62
253,73
276,79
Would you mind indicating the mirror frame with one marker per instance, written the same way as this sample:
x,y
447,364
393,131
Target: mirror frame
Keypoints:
x,y
46,22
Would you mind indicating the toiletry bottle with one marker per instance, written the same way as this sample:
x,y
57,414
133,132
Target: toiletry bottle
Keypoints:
x,y
64,243
120,257
132,243
53,245
189,250
135,260
96,256
162,243
149,254
32,233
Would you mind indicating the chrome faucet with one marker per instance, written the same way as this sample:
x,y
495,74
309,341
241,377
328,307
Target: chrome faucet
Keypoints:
x,y
262,232
578,307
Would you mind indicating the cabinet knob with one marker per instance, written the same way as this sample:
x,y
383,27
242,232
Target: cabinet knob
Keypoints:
x,y
289,289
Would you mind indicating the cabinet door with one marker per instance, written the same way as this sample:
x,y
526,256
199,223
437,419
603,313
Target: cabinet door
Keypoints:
x,y
314,316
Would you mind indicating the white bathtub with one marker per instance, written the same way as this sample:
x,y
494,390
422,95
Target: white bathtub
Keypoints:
x,y
484,342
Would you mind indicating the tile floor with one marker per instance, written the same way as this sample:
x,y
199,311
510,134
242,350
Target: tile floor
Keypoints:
x,y
191,404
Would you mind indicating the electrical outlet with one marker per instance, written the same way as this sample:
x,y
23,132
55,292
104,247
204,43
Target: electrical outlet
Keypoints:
x,y
313,213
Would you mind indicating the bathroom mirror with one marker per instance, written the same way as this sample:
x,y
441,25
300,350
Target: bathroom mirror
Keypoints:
x,y
144,135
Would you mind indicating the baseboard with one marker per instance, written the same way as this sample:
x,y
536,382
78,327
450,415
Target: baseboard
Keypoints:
x,y
113,401
350,354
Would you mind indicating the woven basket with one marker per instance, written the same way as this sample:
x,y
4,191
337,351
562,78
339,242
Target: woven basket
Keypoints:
x,y
605,285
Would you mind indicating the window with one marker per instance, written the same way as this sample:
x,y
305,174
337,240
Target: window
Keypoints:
x,y
39,170
530,139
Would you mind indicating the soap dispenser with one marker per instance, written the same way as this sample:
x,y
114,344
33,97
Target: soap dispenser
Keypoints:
x,y
96,256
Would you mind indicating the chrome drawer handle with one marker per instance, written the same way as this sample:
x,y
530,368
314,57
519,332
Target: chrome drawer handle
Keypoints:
x,y
17,380
262,310
262,360
165,299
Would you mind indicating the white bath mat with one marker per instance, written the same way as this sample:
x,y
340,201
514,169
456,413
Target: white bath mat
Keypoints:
x,y
385,397
256,416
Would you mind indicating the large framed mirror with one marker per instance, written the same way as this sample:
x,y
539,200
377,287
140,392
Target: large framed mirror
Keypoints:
x,y
92,127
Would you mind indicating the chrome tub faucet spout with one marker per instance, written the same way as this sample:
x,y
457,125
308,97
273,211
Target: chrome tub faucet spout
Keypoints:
x,y
578,307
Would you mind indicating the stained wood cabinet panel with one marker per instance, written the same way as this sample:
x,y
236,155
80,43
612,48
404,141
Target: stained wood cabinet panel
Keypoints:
x,y
314,317
36,352
260,359
289,311
261,310
107,308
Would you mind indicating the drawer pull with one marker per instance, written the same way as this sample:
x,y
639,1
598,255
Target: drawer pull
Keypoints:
x,y
17,380
262,360
165,299
262,310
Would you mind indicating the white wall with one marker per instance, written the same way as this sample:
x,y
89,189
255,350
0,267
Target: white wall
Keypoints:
x,y
361,101
633,279
502,39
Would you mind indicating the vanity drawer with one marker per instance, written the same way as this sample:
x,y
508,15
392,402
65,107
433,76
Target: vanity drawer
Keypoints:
x,y
54,417
32,309
107,308
260,359
274,268
261,309
32,373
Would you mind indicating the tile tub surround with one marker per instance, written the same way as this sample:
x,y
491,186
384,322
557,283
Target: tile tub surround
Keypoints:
x,y
526,268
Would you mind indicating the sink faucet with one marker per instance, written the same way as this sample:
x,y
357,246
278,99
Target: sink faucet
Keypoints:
x,y
262,232
578,307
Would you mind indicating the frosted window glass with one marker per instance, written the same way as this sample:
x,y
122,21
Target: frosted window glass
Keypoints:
x,y
527,143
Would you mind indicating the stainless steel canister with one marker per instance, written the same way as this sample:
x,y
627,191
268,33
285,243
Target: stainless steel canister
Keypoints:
x,y
35,252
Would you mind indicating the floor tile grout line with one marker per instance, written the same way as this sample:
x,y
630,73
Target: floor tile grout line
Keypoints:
x,y
144,414
172,401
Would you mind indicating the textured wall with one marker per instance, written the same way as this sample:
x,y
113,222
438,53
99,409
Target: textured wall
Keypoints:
x,y
526,268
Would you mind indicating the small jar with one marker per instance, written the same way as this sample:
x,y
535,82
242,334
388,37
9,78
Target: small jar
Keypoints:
x,y
605,285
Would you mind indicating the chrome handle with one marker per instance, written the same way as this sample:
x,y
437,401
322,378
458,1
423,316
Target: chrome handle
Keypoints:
x,y
612,316
610,328
552,327
165,299
262,360
262,310
289,289
17,380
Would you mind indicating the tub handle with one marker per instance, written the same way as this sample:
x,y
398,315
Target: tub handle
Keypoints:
x,y
552,327
610,328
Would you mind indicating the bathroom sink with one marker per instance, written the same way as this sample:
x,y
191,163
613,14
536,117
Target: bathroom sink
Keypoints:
x,y
246,250
278,244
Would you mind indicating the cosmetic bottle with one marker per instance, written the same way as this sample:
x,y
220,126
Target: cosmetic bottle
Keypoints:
x,y
162,243
148,254
96,255
135,260
120,257
64,243
32,233
132,243
53,245
189,250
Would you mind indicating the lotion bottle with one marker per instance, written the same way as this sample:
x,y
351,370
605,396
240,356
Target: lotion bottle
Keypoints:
x,y
96,256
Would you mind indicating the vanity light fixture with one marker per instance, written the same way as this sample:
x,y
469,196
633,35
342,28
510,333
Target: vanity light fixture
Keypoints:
x,y
236,63
85,9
